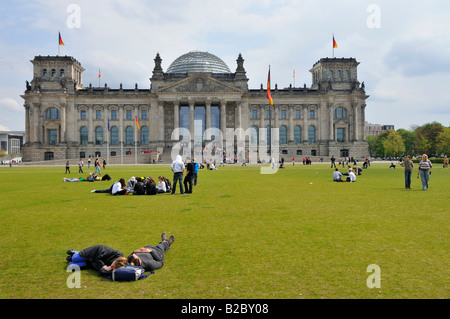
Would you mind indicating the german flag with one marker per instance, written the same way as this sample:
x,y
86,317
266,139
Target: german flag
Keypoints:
x,y
60,39
334,43
137,124
268,89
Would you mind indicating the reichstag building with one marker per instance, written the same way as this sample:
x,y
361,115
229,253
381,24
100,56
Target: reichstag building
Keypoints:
x,y
65,119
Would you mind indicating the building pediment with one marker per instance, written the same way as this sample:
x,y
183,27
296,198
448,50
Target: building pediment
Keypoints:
x,y
199,83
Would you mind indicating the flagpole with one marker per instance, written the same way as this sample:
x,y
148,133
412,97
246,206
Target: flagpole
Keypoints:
x,y
270,127
135,145
333,45
107,144
59,44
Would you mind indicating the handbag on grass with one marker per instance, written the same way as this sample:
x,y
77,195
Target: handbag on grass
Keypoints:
x,y
129,273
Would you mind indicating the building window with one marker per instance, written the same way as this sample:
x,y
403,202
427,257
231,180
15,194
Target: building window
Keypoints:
x,y
330,74
82,115
299,152
311,134
254,138
129,116
53,72
298,114
144,114
52,114
268,114
254,114
129,131
340,113
82,154
52,137
283,114
345,74
284,151
268,134
312,114
48,156
283,134
297,134
338,74
144,135
61,73
99,135
113,115
98,114
44,72
215,117
340,134
114,135
84,135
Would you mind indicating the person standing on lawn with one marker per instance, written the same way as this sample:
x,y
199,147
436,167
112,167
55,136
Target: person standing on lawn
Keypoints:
x,y
408,165
424,171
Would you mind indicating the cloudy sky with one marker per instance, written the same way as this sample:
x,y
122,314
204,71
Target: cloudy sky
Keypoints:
x,y
403,46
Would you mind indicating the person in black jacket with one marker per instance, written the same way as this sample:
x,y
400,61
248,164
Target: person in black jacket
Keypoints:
x,y
151,257
99,257
188,179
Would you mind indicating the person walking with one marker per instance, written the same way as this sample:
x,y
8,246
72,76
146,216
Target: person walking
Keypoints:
x,y
80,166
424,171
445,162
408,165
177,168
89,162
196,167
97,167
67,167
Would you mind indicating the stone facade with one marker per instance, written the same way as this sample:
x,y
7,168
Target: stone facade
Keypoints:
x,y
64,119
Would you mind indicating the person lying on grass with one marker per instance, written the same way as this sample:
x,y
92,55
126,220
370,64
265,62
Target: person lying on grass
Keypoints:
x,y
118,188
151,257
102,258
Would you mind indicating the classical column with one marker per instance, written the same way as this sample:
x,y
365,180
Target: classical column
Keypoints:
x,y
356,121
331,116
162,121
191,119
223,117
305,123
121,141
291,124
208,120
176,114
63,120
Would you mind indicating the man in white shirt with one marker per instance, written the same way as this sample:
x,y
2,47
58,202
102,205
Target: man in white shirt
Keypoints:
x,y
351,176
177,167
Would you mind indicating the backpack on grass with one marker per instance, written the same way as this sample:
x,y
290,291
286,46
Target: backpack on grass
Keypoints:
x,y
129,273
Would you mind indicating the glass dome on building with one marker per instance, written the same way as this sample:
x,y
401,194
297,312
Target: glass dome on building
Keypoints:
x,y
198,61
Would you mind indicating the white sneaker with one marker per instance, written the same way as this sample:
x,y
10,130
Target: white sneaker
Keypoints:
x,y
93,191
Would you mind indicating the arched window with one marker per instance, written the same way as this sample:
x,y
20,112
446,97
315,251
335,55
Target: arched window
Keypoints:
x,y
345,74
99,135
53,72
144,135
114,135
52,114
83,135
338,74
297,134
311,134
283,134
330,74
61,73
44,72
129,131
340,113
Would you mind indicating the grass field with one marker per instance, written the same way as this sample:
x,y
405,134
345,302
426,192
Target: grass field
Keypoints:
x,y
294,234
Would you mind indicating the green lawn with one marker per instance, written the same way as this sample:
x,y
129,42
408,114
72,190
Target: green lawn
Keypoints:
x,y
294,234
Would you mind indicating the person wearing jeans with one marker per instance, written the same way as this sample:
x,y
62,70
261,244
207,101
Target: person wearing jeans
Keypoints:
x,y
408,165
177,168
424,171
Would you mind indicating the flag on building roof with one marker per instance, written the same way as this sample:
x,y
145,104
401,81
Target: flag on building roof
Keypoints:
x,y
137,124
334,43
268,89
60,39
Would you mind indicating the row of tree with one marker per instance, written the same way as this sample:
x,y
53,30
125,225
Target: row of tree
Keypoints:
x,y
432,139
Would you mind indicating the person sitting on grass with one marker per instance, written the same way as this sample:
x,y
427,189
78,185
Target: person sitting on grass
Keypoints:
x,y
102,258
151,257
118,188
351,176
337,176
161,188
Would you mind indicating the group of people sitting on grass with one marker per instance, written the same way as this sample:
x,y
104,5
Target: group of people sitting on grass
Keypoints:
x,y
351,174
105,259
138,186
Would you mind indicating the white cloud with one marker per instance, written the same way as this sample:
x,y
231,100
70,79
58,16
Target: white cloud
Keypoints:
x,y
10,104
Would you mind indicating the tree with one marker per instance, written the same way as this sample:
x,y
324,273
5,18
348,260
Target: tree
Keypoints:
x,y
443,142
408,139
371,141
426,138
393,144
